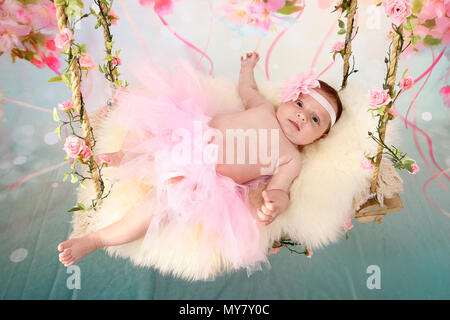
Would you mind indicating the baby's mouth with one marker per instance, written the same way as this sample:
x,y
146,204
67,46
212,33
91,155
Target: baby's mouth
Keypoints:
x,y
295,124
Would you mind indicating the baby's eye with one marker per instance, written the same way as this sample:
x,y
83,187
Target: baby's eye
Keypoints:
x,y
300,104
315,119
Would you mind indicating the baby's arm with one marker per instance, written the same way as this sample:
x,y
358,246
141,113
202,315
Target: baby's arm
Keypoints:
x,y
248,90
276,195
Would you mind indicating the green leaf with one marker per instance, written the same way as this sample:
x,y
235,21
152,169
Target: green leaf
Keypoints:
x,y
74,209
58,131
289,9
341,23
417,6
430,23
342,31
66,158
66,175
83,186
55,115
429,40
54,79
73,178
66,79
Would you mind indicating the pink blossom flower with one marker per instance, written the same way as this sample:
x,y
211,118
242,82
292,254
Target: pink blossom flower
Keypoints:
x,y
406,83
415,168
338,46
302,82
378,97
53,63
274,5
50,45
87,62
116,61
9,42
63,38
445,92
65,106
348,225
38,63
114,16
309,253
366,163
397,10
162,7
73,146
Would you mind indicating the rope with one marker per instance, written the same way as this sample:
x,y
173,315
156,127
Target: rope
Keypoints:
x,y
391,83
75,81
348,40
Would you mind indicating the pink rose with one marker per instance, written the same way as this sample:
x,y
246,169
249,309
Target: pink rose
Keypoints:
x,y
348,225
366,163
415,168
74,146
309,253
378,97
87,62
406,83
397,10
63,38
338,46
66,105
116,61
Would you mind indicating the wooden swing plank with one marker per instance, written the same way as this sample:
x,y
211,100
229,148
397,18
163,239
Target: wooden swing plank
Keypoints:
x,y
372,211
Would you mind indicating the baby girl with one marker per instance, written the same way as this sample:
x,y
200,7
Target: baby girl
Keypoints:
x,y
309,108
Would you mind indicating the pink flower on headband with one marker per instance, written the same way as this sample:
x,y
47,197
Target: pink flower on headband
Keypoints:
x,y
302,82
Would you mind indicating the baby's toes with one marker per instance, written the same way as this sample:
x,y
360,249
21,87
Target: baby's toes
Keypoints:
x,y
64,245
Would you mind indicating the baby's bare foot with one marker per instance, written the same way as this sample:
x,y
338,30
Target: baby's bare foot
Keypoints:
x,y
75,249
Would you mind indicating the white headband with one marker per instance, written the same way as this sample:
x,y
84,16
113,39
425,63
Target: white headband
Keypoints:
x,y
324,103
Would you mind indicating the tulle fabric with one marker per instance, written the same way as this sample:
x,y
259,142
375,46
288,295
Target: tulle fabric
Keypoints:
x,y
187,193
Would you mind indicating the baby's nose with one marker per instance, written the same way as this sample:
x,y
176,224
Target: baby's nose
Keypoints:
x,y
301,116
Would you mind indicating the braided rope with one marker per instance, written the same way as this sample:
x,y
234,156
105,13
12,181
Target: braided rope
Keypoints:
x,y
75,81
391,83
348,40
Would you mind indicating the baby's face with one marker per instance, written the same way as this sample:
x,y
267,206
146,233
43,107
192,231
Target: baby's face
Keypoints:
x,y
304,121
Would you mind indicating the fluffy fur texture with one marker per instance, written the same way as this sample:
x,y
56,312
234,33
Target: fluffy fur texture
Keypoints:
x,y
331,169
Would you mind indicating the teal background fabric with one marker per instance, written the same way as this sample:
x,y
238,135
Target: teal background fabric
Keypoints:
x,y
411,247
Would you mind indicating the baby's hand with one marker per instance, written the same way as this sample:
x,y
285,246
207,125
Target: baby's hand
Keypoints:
x,y
275,202
250,61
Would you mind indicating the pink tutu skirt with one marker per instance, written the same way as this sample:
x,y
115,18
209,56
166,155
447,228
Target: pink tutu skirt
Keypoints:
x,y
171,107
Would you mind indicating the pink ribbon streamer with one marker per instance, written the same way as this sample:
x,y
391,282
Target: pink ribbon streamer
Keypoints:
x,y
190,45
269,52
426,195
35,174
135,29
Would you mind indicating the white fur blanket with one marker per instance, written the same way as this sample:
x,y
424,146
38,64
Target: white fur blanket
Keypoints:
x,y
331,170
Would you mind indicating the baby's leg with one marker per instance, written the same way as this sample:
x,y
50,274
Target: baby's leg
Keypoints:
x,y
131,227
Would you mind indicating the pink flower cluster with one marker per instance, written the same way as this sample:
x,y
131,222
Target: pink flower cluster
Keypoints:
x,y
259,14
21,32
432,25
75,147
